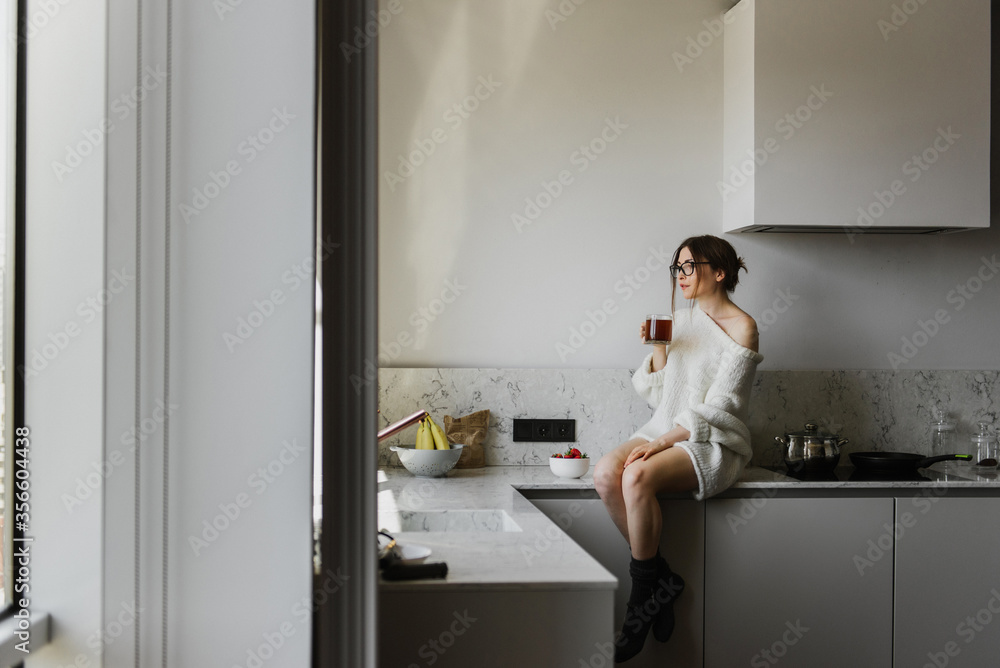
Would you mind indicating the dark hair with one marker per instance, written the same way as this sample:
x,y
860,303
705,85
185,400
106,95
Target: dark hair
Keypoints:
x,y
719,254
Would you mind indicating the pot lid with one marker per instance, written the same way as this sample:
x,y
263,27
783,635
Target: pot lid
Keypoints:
x,y
812,430
983,437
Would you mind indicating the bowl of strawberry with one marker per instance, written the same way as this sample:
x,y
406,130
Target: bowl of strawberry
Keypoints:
x,y
569,464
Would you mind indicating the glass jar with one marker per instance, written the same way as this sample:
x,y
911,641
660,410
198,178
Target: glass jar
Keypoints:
x,y
987,448
941,431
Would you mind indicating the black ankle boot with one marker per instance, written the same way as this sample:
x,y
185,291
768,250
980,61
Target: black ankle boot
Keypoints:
x,y
640,611
638,620
668,587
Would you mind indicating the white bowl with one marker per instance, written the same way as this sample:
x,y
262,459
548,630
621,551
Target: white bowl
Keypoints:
x,y
409,553
412,554
569,468
427,463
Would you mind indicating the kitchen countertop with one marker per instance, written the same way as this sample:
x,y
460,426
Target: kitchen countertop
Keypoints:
x,y
540,556
949,474
477,504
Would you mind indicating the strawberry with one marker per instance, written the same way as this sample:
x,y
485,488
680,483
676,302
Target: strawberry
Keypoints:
x,y
574,453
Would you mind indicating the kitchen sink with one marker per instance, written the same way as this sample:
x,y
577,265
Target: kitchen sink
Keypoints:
x,y
446,520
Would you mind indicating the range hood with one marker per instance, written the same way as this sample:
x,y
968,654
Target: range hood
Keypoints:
x,y
846,229
856,117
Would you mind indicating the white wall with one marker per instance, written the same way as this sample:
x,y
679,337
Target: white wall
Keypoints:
x,y
244,406
843,302
235,406
64,268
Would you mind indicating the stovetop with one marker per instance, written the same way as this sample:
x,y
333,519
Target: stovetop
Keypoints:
x,y
852,474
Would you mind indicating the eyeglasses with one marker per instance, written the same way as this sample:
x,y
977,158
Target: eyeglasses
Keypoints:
x,y
686,268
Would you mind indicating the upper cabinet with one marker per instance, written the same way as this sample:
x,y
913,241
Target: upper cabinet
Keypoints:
x,y
856,116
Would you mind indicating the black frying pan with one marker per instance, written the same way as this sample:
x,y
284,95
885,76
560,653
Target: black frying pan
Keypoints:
x,y
898,461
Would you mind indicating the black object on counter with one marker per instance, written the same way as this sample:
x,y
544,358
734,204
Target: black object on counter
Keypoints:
x,y
415,571
898,461
394,569
878,475
813,469
852,474
812,474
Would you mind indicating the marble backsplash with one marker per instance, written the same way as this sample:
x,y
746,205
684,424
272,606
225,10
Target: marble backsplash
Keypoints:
x,y
876,410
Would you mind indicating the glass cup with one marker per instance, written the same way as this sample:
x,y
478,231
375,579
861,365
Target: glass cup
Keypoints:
x,y
659,329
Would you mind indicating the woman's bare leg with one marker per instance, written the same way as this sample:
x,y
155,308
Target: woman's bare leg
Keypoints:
x,y
669,470
630,495
608,482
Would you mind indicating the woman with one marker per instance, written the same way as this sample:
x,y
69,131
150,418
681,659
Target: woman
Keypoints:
x,y
697,440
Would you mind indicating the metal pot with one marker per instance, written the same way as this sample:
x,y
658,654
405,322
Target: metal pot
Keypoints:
x,y
811,450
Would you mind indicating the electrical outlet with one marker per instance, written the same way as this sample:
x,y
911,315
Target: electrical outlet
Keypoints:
x,y
544,430
564,430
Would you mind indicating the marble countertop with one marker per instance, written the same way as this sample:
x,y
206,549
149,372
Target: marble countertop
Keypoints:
x,y
951,474
948,474
492,537
466,512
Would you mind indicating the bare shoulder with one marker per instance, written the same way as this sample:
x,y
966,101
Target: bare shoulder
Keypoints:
x,y
743,330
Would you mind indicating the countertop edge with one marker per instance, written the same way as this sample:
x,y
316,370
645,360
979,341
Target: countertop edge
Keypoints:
x,y
512,488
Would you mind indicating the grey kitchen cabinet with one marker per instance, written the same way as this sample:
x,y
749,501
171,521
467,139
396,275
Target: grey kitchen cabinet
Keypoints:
x,y
491,627
784,584
947,569
583,517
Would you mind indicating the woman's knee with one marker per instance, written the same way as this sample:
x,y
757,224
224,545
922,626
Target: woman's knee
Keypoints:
x,y
607,475
636,481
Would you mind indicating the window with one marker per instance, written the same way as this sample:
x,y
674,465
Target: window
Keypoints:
x,y
11,273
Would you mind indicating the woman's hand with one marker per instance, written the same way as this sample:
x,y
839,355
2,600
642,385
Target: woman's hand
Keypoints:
x,y
644,335
648,449
659,351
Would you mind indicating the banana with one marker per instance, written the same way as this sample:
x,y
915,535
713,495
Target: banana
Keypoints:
x,y
437,434
428,435
424,439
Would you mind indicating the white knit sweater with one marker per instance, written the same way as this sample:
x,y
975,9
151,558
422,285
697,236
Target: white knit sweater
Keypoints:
x,y
705,388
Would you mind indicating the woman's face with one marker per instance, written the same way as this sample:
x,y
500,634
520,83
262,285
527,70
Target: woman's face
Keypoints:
x,y
688,284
